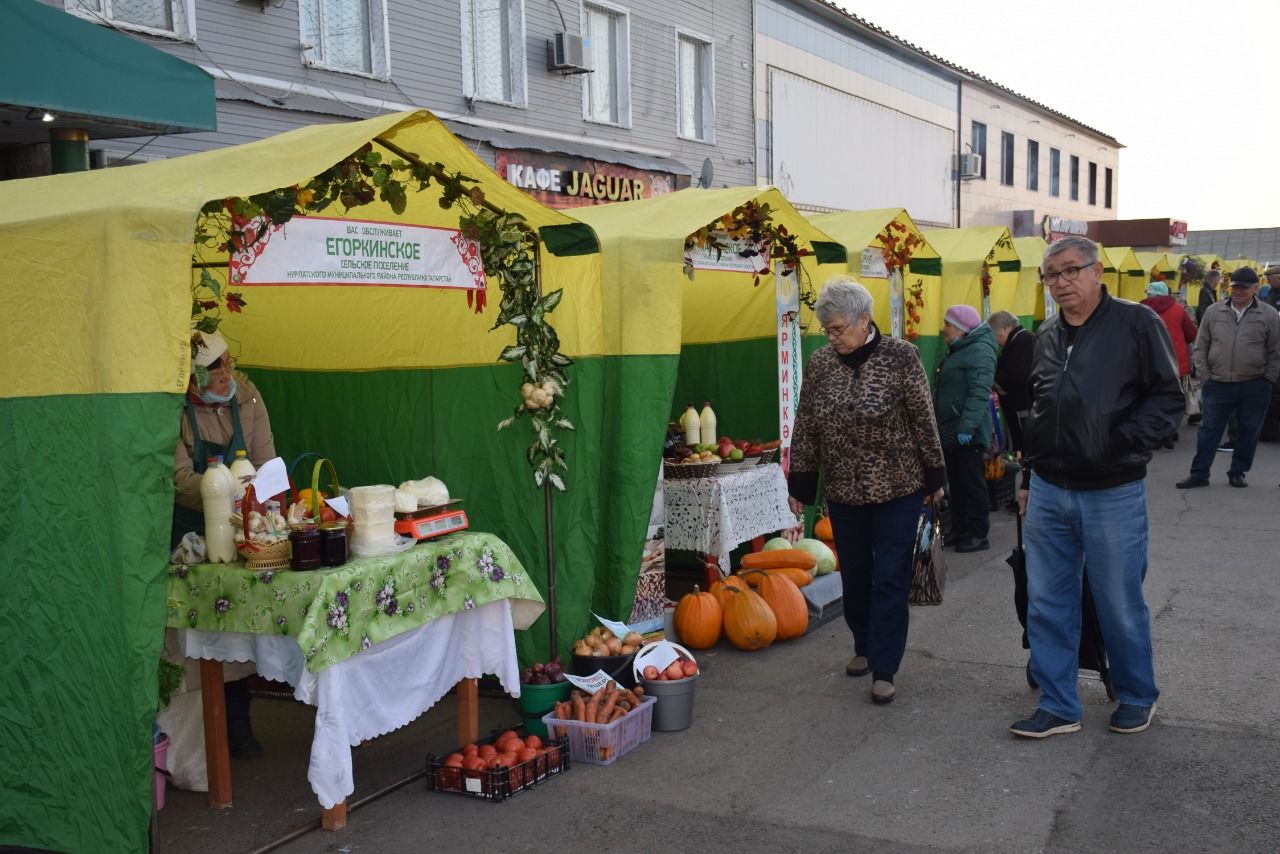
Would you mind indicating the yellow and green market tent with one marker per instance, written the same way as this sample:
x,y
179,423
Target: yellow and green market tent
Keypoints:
x,y
968,253
860,232
391,383
1029,300
711,336
1161,266
1122,274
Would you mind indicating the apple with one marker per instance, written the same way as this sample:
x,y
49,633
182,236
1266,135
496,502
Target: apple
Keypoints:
x,y
735,455
724,439
674,671
690,668
725,449
742,444
650,672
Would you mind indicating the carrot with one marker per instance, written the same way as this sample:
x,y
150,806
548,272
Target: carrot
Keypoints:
x,y
779,558
579,708
593,705
638,690
632,697
615,714
606,709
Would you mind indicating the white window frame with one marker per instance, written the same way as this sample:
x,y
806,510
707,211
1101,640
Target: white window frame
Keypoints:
x,y
518,60
81,10
379,47
708,119
622,66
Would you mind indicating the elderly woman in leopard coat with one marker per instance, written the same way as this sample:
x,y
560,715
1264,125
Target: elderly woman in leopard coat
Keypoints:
x,y
865,423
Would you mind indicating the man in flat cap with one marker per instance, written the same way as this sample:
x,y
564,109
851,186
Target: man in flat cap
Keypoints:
x,y
1271,275
1237,357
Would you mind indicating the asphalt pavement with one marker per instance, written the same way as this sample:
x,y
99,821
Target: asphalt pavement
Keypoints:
x,y
787,753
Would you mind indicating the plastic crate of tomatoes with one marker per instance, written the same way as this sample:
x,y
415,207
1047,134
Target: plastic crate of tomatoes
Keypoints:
x,y
499,766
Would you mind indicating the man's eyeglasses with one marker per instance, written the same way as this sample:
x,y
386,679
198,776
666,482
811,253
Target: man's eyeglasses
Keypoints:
x,y
1067,274
834,331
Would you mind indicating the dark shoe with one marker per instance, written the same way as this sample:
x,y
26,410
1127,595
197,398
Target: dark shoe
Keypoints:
x,y
1168,444
1130,718
973,544
882,692
1237,480
1192,483
1042,725
857,666
240,741
1226,447
1193,419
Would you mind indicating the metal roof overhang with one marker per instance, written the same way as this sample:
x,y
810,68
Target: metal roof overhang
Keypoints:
x,y
93,78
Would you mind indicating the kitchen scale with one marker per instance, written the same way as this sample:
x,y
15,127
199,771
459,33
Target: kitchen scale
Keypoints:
x,y
436,521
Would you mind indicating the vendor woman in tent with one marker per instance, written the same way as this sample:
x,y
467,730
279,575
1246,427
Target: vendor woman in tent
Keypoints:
x,y
223,416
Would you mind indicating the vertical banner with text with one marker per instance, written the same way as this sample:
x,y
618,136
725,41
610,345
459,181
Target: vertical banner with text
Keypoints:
x,y
897,300
787,289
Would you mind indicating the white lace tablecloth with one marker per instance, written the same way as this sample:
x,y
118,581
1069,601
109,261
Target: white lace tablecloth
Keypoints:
x,y
713,515
379,689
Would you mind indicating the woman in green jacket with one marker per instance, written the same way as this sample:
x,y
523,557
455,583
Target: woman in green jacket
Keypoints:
x,y
964,421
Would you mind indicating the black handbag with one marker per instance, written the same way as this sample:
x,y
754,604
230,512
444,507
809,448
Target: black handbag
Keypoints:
x,y
928,565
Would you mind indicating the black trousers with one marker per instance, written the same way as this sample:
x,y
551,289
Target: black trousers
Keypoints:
x,y
967,480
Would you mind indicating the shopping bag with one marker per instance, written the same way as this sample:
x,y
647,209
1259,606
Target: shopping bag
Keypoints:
x,y
1191,390
928,565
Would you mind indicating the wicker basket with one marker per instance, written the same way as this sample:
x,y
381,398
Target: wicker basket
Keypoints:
x,y
689,471
768,456
273,556
730,468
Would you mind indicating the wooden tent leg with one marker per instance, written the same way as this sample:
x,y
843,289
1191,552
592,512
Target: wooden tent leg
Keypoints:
x,y
468,711
217,757
335,818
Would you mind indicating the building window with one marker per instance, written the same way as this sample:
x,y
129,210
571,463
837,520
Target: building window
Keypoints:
x,y
1006,159
607,90
1093,183
493,50
1033,165
344,35
1106,188
978,142
1075,178
1055,172
695,82
163,17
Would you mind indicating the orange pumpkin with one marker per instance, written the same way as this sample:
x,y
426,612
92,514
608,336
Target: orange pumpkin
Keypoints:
x,y
801,577
822,529
698,619
787,603
722,588
749,623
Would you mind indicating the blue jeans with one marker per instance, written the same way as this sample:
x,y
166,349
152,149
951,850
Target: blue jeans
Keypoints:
x,y
875,543
1248,401
1106,529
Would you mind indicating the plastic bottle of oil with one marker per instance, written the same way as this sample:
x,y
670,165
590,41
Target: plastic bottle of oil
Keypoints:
x,y
691,425
217,493
707,422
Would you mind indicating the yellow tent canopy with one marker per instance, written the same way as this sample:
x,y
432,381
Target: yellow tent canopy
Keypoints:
x,y
965,253
1030,300
859,232
1122,274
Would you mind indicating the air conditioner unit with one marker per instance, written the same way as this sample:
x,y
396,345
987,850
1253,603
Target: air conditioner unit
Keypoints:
x,y
568,53
970,165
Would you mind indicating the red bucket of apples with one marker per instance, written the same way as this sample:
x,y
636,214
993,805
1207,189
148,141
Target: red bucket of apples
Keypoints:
x,y
671,684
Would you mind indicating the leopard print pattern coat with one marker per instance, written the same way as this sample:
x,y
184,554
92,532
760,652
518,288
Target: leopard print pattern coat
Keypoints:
x,y
869,430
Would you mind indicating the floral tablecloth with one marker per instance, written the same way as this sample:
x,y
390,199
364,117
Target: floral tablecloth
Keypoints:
x,y
334,613
712,515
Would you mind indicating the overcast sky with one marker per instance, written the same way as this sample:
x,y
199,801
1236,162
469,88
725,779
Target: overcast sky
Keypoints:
x,y
1192,89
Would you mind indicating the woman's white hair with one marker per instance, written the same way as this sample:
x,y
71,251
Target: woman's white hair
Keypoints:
x,y
842,298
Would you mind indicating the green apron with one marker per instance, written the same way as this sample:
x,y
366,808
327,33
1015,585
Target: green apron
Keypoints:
x,y
186,520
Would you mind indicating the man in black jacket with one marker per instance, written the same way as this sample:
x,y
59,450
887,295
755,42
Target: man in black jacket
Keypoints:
x,y
1013,372
1105,393
1208,293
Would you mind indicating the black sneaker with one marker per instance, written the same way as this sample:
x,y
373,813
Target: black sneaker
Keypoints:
x,y
1226,447
1044,724
1130,718
1192,483
1237,480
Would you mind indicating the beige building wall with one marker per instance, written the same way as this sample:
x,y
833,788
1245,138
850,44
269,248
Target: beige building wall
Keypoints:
x,y
989,202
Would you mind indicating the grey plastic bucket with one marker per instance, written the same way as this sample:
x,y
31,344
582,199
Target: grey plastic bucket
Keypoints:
x,y
674,709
